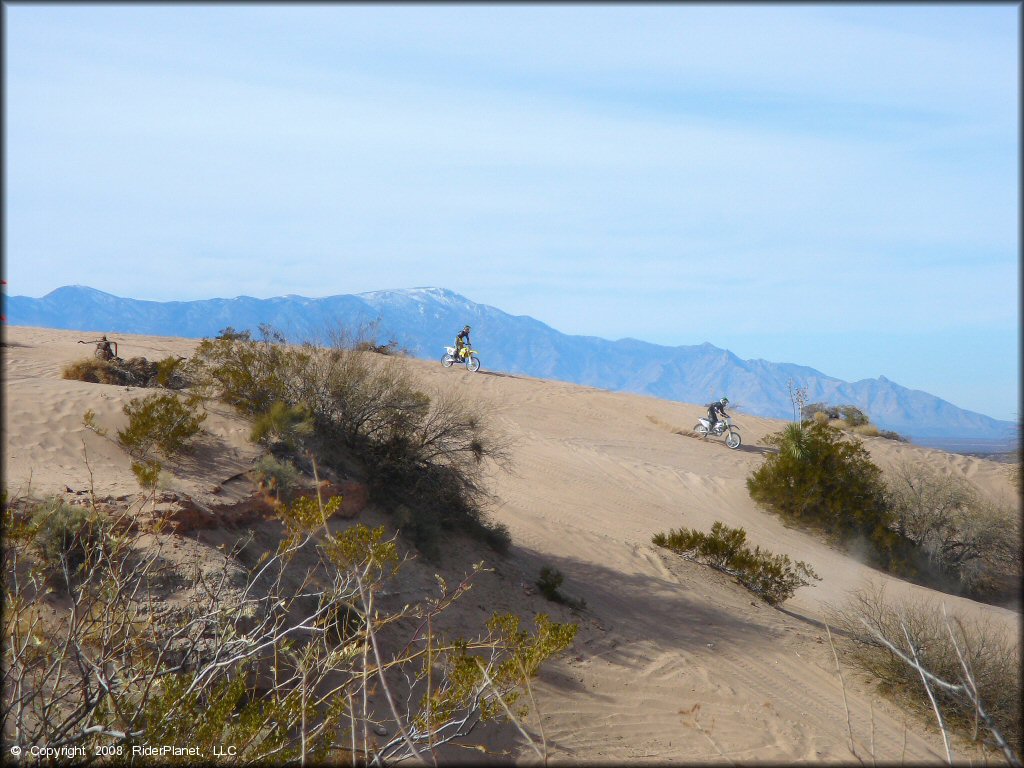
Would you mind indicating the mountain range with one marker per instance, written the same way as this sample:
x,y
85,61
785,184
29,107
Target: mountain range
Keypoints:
x,y
424,320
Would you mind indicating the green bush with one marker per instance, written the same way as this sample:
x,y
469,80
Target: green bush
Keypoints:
x,y
283,425
247,374
281,477
69,540
774,578
170,372
823,478
853,416
147,473
549,582
160,421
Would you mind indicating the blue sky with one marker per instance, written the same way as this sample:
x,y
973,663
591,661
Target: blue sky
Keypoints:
x,y
829,185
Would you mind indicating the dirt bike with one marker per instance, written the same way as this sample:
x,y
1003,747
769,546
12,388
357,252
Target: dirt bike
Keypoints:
x,y
451,357
723,425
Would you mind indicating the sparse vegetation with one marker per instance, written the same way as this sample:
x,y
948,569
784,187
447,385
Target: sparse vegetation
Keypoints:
x,y
549,585
282,426
247,374
160,421
912,522
979,662
421,455
93,370
773,578
846,417
68,541
971,543
291,658
168,373
280,477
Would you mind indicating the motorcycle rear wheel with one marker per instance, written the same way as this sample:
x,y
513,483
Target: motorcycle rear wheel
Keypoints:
x,y
700,429
447,361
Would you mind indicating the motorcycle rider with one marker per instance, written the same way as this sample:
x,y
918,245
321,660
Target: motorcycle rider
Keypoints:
x,y
714,408
462,343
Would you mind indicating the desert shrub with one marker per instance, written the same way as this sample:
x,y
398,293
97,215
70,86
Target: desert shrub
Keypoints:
x,y
160,421
774,578
69,540
92,370
390,348
237,664
170,372
853,416
850,415
428,461
991,655
421,456
281,477
846,417
825,479
888,434
283,425
365,337
377,404
549,582
246,374
431,500
867,430
147,473
718,549
972,542
134,372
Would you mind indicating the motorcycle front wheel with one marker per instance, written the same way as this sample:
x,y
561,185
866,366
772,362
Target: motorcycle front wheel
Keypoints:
x,y
733,440
447,361
473,363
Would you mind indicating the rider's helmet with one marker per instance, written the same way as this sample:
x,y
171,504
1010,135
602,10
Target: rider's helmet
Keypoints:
x,y
725,401
466,328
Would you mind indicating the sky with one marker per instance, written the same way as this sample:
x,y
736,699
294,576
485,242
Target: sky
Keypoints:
x,y
829,185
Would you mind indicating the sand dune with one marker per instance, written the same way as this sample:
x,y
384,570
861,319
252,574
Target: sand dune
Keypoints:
x,y
674,662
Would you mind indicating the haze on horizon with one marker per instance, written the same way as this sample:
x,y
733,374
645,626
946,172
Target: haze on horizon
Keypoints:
x,y
829,185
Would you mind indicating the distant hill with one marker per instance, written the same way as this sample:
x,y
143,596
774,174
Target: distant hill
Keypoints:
x,y
423,320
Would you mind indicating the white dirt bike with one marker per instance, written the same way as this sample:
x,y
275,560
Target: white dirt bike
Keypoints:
x,y
469,357
722,426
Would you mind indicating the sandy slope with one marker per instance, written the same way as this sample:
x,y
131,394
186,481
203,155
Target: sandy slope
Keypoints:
x,y
673,663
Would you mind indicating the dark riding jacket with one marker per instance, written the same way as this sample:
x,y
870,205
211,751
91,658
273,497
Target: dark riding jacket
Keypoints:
x,y
716,406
